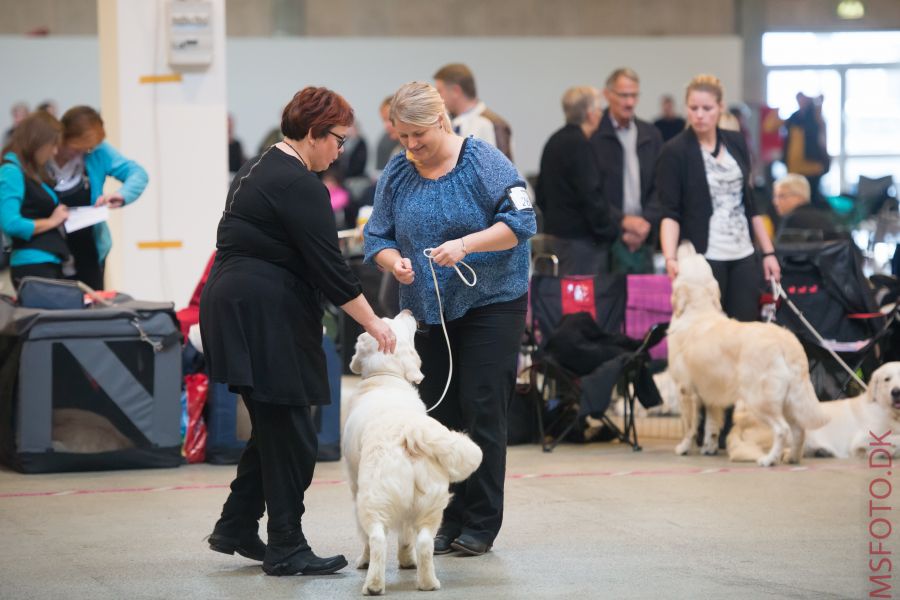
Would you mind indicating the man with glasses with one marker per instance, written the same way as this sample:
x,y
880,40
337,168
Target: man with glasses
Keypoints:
x,y
627,148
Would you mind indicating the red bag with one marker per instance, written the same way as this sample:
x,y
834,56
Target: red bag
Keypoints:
x,y
197,387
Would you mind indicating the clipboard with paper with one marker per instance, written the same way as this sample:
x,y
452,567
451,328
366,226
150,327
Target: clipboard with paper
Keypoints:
x,y
81,217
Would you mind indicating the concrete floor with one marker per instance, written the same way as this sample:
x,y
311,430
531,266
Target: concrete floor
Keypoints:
x,y
592,521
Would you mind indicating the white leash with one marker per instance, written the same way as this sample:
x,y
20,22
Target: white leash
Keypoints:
x,y
427,252
778,292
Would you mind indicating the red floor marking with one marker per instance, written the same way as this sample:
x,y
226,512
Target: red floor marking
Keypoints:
x,y
515,476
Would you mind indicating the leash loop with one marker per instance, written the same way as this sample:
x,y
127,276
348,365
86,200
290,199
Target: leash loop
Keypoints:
x,y
437,291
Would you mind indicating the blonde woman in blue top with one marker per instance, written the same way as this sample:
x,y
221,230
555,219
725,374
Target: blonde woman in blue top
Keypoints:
x,y
462,198
80,168
30,212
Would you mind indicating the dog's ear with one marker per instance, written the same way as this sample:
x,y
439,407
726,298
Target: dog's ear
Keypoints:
x,y
715,292
363,349
879,381
412,366
679,299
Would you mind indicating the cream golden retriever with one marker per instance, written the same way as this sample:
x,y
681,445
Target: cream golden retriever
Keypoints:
x,y
848,430
400,461
85,432
717,361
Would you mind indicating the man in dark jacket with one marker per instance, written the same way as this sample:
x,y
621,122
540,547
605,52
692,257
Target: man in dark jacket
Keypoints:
x,y
627,149
569,190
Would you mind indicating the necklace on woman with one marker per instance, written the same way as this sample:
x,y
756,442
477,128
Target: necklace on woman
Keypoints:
x,y
291,146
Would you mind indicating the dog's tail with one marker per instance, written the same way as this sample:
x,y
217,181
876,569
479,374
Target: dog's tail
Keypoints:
x,y
454,451
803,405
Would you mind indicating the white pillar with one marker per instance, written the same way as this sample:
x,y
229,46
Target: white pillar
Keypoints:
x,y
172,120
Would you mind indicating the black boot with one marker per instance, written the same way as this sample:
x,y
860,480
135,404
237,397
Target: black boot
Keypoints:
x,y
304,562
247,544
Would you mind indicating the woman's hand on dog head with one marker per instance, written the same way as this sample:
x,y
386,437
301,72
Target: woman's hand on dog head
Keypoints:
x,y
383,334
672,267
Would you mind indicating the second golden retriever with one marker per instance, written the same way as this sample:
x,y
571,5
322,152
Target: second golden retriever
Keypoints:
x,y
716,361
854,425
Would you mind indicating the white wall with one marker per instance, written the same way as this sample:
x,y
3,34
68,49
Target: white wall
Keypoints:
x,y
521,78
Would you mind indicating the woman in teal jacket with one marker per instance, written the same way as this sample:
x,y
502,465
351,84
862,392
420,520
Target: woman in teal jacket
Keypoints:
x,y
80,168
30,212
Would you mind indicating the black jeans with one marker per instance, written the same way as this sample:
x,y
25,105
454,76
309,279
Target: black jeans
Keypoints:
x,y
485,344
88,268
273,473
48,270
740,282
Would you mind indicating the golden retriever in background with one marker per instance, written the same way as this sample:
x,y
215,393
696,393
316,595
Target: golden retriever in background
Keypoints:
x,y
85,432
717,361
848,430
400,461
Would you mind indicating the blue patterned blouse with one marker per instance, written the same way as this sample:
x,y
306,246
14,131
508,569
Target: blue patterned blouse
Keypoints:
x,y
412,213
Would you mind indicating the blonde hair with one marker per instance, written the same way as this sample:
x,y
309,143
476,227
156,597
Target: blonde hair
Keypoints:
x,y
577,101
706,83
419,104
795,184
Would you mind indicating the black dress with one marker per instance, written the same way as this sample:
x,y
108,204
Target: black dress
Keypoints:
x,y
261,310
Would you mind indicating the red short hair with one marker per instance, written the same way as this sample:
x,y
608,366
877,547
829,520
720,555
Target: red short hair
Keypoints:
x,y
315,109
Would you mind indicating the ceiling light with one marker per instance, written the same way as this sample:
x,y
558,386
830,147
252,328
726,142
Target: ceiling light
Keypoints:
x,y
851,9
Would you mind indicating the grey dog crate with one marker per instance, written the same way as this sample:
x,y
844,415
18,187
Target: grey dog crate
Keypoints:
x,y
92,389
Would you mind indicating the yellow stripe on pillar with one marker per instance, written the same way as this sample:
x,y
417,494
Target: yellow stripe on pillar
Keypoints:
x,y
159,245
170,78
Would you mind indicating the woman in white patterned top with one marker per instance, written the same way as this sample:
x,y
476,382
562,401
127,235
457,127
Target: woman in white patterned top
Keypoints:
x,y
703,185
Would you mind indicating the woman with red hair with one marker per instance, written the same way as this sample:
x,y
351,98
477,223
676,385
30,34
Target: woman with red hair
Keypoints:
x,y
261,325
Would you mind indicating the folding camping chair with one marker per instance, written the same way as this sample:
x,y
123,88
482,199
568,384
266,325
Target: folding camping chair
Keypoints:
x,y
559,377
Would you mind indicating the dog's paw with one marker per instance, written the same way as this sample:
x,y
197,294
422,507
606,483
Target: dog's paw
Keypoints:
x,y
426,584
765,461
710,449
788,457
683,448
373,589
362,562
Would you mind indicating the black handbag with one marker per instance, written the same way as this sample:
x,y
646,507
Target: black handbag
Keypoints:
x,y
52,294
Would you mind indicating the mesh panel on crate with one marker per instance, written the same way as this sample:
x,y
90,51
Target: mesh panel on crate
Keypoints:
x,y
649,303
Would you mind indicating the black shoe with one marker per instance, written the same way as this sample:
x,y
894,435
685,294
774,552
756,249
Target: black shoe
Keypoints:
x,y
468,544
306,562
442,544
248,546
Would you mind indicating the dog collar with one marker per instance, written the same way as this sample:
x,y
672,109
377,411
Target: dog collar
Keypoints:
x,y
385,373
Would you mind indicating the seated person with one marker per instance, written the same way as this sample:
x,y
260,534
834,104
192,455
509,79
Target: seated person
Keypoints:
x,y
799,220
